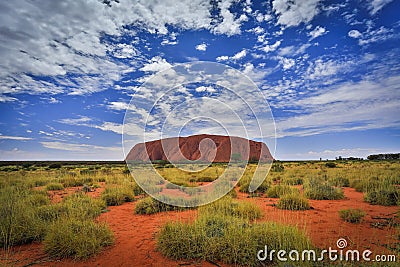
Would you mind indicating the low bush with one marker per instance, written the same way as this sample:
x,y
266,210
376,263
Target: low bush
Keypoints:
x,y
54,186
330,164
149,205
77,239
319,190
293,181
205,179
277,191
352,215
293,201
117,195
383,195
228,239
19,219
340,182
228,207
72,182
82,206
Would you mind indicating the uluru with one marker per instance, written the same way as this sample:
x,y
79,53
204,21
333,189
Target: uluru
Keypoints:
x,y
200,148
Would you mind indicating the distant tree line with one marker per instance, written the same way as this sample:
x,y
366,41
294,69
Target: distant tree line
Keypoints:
x,y
391,156
349,158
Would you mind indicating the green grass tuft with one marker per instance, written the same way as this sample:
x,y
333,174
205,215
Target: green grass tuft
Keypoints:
x,y
277,191
77,239
117,195
319,190
293,201
352,215
54,186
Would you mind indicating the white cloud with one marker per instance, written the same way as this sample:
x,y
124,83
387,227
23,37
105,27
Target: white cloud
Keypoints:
x,y
317,32
287,63
201,47
222,58
378,35
346,107
269,48
294,12
229,25
110,126
76,121
240,55
118,105
354,34
205,89
156,64
124,51
293,50
4,98
18,138
376,5
325,68
66,37
93,149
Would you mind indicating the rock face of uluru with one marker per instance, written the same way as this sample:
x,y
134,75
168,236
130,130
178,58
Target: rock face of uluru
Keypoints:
x,y
201,148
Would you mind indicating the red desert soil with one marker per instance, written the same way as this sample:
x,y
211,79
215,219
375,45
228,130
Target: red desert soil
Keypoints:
x,y
135,234
210,148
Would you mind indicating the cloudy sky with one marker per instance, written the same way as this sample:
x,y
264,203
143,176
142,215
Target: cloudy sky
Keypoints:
x,y
330,70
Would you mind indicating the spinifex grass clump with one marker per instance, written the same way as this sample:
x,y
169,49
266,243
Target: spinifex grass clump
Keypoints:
x,y
71,237
340,182
222,234
20,222
54,186
149,205
352,215
117,195
229,207
280,190
384,194
293,201
321,190
82,206
72,232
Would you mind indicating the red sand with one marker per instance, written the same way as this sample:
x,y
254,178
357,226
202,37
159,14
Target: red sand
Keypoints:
x,y
135,234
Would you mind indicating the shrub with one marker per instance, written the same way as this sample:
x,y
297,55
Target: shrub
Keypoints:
x,y
76,239
19,219
365,185
319,190
330,164
230,240
340,182
352,215
54,186
277,167
55,166
385,196
228,207
150,205
293,181
279,190
72,182
82,207
293,201
117,195
205,179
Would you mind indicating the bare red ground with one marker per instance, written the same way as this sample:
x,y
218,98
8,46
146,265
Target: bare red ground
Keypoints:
x,y
135,242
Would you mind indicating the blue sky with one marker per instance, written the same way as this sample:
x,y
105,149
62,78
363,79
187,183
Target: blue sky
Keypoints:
x,y
330,70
